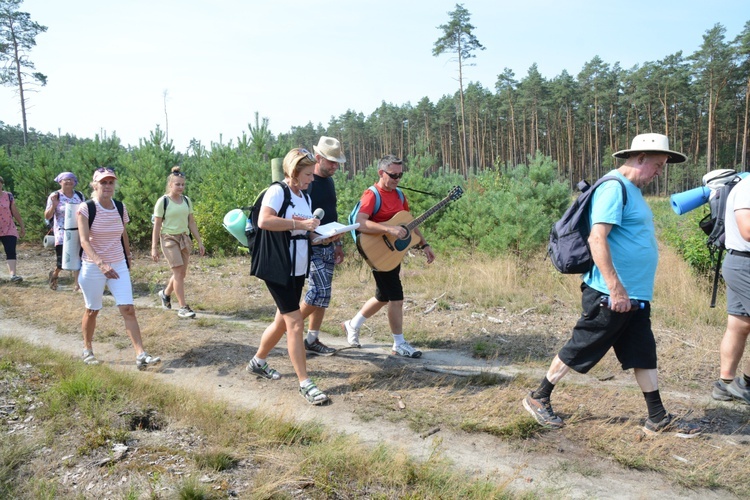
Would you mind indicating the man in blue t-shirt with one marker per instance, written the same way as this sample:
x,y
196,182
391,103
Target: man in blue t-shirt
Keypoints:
x,y
623,246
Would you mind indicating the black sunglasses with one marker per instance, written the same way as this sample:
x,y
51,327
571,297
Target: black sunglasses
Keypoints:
x,y
393,176
106,169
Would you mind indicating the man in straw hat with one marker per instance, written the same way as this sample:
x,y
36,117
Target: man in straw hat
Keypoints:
x,y
616,293
328,157
736,274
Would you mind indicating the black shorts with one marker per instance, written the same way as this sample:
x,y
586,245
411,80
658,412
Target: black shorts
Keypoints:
x,y
599,329
388,285
287,296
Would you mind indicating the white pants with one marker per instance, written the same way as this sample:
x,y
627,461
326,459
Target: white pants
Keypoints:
x,y
93,281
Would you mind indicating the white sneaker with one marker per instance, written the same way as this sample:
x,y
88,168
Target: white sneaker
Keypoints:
x,y
406,350
89,358
352,334
185,312
144,360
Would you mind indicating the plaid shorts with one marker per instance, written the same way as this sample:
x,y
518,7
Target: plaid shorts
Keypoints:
x,y
321,274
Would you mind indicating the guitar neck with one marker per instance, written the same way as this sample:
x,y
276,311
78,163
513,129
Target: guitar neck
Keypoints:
x,y
419,220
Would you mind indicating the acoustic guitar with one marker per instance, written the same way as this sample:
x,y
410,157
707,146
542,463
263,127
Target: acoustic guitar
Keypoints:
x,y
384,252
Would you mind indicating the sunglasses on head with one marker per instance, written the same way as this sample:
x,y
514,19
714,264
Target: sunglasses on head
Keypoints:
x,y
106,169
393,176
305,152
178,174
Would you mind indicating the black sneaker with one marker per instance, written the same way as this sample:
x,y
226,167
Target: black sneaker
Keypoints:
x,y
670,423
541,410
166,300
319,348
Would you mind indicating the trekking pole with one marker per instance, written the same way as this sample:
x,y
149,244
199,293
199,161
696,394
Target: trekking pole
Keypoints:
x,y
716,278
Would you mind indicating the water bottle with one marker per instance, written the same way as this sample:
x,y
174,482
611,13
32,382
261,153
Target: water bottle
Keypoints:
x,y
634,304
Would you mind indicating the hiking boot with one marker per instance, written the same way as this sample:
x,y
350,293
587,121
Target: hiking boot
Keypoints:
x,y
352,334
185,312
16,278
166,300
319,348
406,350
264,371
313,395
144,360
739,390
670,423
720,392
541,410
88,357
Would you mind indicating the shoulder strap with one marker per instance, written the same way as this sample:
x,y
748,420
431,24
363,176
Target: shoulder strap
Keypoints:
x,y
80,195
401,194
287,199
612,178
120,209
378,201
186,200
92,211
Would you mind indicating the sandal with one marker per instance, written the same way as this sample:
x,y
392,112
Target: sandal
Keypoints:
x,y
313,395
52,280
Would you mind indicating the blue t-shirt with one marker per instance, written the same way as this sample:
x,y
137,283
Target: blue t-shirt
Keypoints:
x,y
632,240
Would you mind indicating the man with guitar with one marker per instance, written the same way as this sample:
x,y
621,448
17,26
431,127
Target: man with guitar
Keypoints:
x,y
389,290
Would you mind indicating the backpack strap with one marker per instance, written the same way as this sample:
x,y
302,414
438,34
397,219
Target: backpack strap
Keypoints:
x,y
80,195
92,211
378,201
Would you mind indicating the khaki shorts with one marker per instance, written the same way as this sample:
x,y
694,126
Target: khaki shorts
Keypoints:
x,y
176,248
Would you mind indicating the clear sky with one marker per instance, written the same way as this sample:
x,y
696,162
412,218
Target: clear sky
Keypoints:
x,y
298,61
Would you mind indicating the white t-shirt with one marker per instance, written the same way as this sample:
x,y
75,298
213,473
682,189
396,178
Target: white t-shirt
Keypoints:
x,y
739,198
274,198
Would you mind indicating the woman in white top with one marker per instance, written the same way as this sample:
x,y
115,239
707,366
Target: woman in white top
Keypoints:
x,y
173,226
293,226
55,210
104,262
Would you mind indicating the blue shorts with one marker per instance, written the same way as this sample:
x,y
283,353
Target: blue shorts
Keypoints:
x,y
321,274
599,329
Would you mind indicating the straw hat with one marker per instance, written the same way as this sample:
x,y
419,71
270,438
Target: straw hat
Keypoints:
x,y
651,143
330,149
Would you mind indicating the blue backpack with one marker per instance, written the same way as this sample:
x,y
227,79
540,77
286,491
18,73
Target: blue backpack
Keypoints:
x,y
353,215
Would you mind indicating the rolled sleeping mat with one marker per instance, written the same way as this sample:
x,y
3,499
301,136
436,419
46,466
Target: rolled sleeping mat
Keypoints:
x,y
688,200
277,169
71,256
234,222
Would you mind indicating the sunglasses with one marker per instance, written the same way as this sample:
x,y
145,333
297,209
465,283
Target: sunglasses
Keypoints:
x,y
106,169
393,176
178,174
305,152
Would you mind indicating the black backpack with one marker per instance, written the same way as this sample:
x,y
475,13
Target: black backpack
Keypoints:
x,y
166,202
251,228
713,224
568,247
121,210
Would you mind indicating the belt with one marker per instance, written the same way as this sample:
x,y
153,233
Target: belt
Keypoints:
x,y
739,253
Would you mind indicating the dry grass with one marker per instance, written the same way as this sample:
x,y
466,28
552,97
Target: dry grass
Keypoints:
x,y
513,312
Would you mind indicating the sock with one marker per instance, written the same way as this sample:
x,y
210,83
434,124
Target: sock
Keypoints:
x,y
656,410
312,336
259,361
357,321
305,383
544,391
747,379
398,339
726,381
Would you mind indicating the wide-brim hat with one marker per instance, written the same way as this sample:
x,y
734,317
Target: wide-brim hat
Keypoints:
x,y
651,143
330,149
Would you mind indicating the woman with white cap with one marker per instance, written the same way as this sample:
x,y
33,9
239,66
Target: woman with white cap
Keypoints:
x,y
55,210
104,262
